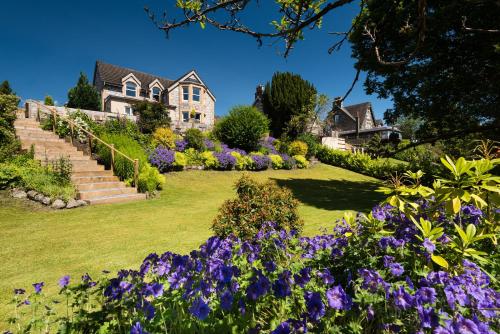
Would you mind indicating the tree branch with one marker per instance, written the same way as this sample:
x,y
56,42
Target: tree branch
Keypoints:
x,y
491,31
356,78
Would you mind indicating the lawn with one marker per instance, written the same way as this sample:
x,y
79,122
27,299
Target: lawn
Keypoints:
x,y
42,245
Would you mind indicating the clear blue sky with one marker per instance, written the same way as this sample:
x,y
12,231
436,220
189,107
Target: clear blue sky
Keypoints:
x,y
45,44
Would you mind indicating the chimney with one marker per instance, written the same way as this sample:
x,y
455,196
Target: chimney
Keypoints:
x,y
259,91
337,102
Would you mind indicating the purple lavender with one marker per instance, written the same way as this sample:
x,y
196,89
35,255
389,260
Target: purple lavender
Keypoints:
x,y
225,161
260,162
162,158
180,145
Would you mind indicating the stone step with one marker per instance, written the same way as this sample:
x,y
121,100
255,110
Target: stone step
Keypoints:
x,y
76,174
33,127
28,133
116,199
53,149
56,156
107,192
93,179
99,185
82,166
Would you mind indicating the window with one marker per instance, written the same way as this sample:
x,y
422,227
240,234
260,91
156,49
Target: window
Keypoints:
x,y
131,89
129,111
185,116
196,94
155,93
337,119
197,117
185,93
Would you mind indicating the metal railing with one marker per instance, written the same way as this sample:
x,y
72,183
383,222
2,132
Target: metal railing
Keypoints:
x,y
90,136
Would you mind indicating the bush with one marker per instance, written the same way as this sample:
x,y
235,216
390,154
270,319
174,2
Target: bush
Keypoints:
x,y
243,162
151,115
225,161
242,128
122,126
8,107
259,161
301,161
209,160
123,168
150,180
297,147
313,144
193,157
180,160
420,265
194,139
164,137
257,204
276,161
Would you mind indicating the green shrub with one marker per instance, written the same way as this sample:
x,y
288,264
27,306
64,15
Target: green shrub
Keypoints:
x,y
150,179
297,147
180,160
8,142
209,160
313,144
243,128
276,161
123,167
151,115
9,175
123,126
193,157
257,203
164,137
243,162
48,100
301,161
194,138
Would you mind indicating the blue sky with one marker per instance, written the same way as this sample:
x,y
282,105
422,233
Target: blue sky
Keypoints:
x,y
45,44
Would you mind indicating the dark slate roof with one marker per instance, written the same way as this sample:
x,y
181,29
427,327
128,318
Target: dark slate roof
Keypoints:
x,y
113,74
359,110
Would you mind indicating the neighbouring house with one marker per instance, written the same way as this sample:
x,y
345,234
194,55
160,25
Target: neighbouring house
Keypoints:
x,y
357,124
188,100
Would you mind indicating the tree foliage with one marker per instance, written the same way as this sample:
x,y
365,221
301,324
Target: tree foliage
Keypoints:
x,y
289,102
5,88
242,128
84,95
151,115
48,101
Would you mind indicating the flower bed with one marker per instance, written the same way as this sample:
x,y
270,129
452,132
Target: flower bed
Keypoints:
x,y
219,156
421,262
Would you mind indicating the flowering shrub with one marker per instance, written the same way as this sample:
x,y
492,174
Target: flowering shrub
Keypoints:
x,y
413,266
150,180
225,161
167,160
260,161
297,147
276,161
268,146
301,161
180,145
243,162
163,137
209,160
288,161
193,157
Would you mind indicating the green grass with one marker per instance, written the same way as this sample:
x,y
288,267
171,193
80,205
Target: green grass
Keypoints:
x,y
39,244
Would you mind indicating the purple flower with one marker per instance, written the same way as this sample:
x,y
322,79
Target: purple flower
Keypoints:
x,y
402,299
326,277
209,144
162,158
259,287
370,313
153,289
137,329
314,305
303,277
282,286
465,326
396,269
338,299
180,145
283,328
427,316
64,281
226,300
225,161
200,309
425,295
260,162
429,246
38,287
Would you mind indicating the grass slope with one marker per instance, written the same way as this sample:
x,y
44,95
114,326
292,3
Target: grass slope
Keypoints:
x,y
42,245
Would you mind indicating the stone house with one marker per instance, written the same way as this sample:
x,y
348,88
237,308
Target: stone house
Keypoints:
x,y
357,124
188,100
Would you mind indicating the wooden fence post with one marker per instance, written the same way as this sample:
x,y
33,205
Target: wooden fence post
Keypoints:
x,y
71,134
38,114
113,158
54,118
89,138
136,173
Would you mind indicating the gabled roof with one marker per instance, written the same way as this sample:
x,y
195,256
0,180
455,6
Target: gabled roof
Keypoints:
x,y
190,77
359,110
113,74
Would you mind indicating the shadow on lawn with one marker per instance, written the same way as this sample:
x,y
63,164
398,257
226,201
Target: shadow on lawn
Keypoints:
x,y
334,194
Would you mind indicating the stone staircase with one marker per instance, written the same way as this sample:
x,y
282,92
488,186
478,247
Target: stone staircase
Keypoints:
x,y
94,184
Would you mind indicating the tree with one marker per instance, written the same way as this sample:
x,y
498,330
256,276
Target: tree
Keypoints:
x,y
151,115
439,61
289,102
243,128
48,101
5,88
408,126
84,95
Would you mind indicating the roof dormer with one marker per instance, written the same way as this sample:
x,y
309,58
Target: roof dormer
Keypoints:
x,y
131,85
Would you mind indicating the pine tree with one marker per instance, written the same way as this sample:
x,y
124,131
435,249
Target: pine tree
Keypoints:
x,y
5,88
84,95
48,101
288,101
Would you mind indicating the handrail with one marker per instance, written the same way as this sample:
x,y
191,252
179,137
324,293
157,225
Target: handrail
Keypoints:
x,y
53,113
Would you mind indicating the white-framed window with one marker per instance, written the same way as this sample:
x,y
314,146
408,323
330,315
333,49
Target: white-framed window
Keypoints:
x,y
131,89
185,93
129,111
155,94
185,116
196,94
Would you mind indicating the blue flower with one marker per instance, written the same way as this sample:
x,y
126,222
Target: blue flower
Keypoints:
x,y
153,289
338,299
396,269
283,328
282,286
64,281
259,287
226,300
429,246
402,299
425,295
200,309
38,287
137,329
314,305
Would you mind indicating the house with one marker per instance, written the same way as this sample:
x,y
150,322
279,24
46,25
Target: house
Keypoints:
x,y
188,100
357,124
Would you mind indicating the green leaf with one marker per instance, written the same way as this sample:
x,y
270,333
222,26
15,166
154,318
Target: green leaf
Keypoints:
x,y
202,25
455,205
440,261
470,231
462,234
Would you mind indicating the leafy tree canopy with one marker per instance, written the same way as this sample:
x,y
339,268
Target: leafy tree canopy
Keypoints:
x,y
151,115
289,102
84,95
438,60
48,101
5,88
